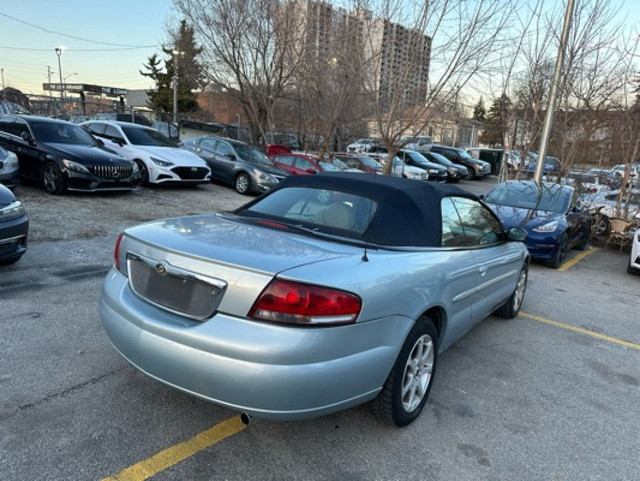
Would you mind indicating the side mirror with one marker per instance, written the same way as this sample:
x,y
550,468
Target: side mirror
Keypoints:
x,y
230,156
27,137
311,171
517,234
99,141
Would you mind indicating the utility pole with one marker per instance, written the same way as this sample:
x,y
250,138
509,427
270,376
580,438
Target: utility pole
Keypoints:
x,y
2,71
553,95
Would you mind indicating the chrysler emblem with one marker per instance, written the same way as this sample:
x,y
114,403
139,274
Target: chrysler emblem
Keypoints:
x,y
161,269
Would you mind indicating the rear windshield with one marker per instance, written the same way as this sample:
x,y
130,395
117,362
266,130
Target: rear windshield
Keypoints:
x,y
550,198
316,209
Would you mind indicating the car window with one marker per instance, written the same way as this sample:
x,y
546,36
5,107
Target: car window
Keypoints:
x,y
6,125
452,231
147,136
224,148
61,133
351,163
475,224
327,166
20,127
550,197
251,154
208,143
96,128
317,209
303,164
14,126
286,159
113,133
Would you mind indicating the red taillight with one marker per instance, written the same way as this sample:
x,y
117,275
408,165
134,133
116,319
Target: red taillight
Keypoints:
x,y
296,303
116,253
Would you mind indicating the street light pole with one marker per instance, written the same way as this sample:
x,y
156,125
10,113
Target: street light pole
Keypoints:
x,y
59,54
176,56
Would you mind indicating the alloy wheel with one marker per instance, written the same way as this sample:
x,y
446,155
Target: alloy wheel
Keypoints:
x,y
417,373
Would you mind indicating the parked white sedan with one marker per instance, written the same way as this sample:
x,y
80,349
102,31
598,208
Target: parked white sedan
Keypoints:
x,y
159,159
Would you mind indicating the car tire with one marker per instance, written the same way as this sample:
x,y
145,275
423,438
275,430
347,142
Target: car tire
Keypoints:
x,y
511,308
242,184
52,179
632,270
144,172
560,256
407,387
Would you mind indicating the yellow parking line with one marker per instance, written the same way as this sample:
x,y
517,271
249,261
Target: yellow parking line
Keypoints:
x,y
179,452
576,259
582,331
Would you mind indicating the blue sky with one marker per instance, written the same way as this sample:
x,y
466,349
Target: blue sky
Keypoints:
x,y
26,50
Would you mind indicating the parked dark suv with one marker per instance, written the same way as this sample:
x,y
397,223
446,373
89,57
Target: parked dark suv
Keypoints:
x,y
477,168
63,156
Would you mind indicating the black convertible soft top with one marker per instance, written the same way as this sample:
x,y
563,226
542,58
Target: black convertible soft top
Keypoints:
x,y
408,213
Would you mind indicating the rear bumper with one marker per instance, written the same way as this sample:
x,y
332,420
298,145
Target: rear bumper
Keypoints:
x,y
263,369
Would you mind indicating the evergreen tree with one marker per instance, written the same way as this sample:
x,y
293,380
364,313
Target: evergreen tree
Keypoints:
x,y
496,123
182,53
479,112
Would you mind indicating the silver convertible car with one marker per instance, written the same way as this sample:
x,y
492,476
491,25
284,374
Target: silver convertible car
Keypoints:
x,y
329,291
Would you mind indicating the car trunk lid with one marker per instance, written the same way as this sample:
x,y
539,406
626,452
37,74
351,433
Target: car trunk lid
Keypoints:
x,y
195,266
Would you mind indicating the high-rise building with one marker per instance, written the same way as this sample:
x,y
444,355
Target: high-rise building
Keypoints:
x,y
393,58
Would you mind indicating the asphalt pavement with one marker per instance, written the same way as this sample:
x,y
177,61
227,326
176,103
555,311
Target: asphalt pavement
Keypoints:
x,y
552,394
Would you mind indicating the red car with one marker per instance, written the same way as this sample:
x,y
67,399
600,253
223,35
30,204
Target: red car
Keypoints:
x,y
302,164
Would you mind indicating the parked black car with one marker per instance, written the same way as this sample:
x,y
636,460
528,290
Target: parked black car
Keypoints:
x,y
237,163
477,168
14,227
414,158
455,171
63,156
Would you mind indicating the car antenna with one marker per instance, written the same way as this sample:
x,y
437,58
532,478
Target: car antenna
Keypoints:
x,y
365,257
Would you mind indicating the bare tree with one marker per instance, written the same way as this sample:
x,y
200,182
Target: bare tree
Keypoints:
x,y
430,49
248,51
594,76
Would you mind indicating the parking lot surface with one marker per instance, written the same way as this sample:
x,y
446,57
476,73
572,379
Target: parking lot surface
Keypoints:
x,y
552,394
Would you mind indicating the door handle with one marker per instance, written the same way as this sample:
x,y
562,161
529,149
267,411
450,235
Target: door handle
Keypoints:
x,y
483,270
